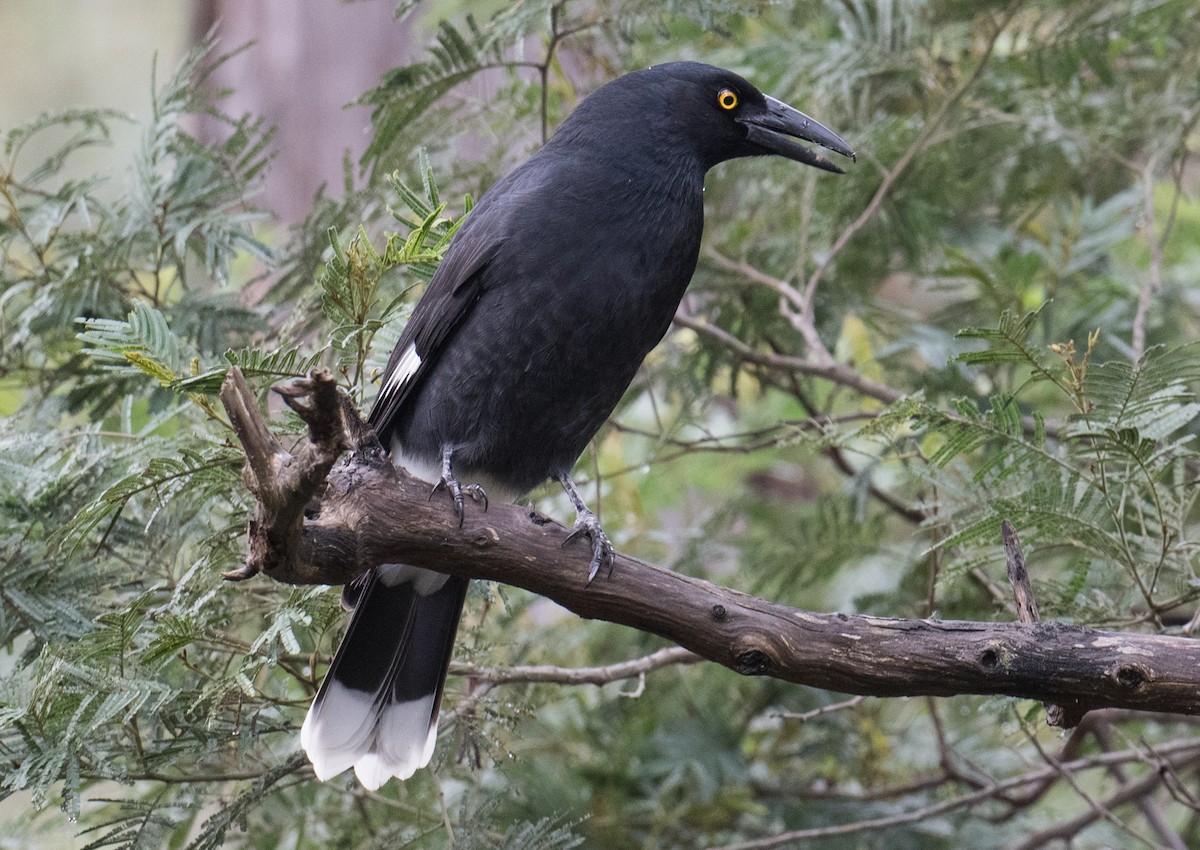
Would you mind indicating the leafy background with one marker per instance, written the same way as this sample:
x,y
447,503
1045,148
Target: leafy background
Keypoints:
x,y
990,316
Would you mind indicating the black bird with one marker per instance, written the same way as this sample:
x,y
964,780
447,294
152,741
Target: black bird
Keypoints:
x,y
551,294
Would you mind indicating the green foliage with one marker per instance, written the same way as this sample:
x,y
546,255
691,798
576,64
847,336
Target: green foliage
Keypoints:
x,y
547,833
457,54
1106,491
1024,277
142,343
356,277
68,253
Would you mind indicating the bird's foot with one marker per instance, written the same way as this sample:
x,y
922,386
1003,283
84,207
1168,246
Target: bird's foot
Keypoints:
x,y
586,525
458,492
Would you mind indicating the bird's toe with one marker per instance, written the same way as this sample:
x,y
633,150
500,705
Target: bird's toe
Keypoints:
x,y
477,494
602,549
458,495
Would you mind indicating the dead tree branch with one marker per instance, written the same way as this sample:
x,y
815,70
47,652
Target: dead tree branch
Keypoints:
x,y
370,513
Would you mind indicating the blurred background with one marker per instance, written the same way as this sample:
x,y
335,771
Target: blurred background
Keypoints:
x,y
1007,281
60,55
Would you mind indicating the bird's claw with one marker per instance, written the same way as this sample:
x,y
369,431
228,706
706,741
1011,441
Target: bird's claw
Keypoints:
x,y
458,492
586,525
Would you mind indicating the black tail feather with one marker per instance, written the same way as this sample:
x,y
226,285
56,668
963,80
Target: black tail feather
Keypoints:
x,y
378,706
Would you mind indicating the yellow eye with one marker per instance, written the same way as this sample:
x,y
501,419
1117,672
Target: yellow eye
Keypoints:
x,y
727,98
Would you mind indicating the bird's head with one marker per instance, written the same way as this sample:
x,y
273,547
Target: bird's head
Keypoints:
x,y
710,112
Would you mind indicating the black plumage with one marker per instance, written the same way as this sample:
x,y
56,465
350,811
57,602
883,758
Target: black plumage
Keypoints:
x,y
551,294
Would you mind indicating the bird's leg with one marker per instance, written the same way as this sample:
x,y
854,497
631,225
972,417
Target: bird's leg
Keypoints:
x,y
587,525
457,490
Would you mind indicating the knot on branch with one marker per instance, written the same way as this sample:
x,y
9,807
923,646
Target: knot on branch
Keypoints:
x,y
288,484
753,662
1130,676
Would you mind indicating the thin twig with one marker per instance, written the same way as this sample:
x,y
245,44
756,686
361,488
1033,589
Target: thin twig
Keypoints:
x,y
1097,809
1101,731
1157,239
1180,753
805,716
792,298
601,675
838,373
1152,284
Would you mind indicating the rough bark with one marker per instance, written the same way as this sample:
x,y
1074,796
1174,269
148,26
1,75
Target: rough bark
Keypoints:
x,y
371,513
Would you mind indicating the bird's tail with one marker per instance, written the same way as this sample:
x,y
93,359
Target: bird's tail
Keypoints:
x,y
377,710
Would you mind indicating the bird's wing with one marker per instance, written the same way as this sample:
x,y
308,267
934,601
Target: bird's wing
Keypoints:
x,y
449,297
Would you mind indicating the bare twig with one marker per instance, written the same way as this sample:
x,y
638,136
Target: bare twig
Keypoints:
x,y
1101,730
1178,754
1068,829
579,675
838,373
794,305
1098,809
805,716
1027,612
1152,284
1157,238
1134,790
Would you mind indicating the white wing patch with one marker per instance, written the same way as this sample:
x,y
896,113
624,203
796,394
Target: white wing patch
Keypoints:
x,y
406,367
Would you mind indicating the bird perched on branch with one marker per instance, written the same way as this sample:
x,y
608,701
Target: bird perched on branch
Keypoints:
x,y
560,281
